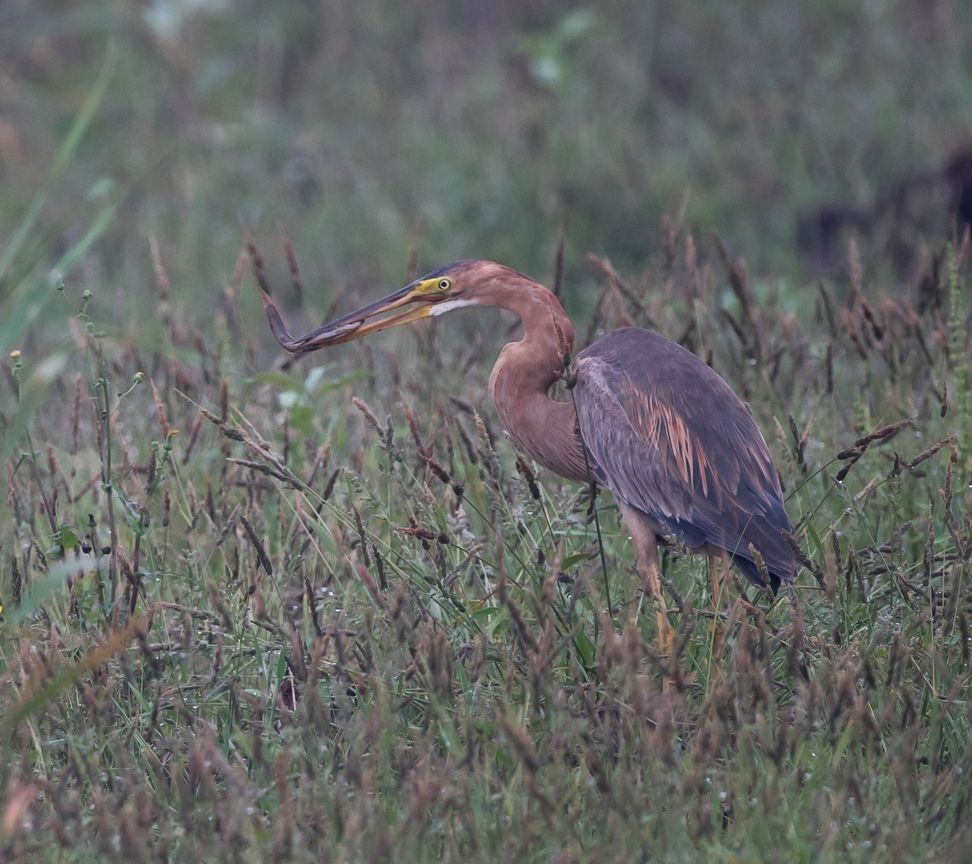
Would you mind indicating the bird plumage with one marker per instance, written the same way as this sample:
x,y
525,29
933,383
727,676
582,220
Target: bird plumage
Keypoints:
x,y
670,438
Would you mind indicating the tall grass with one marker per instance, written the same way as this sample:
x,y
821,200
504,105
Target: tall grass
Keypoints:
x,y
256,609
325,614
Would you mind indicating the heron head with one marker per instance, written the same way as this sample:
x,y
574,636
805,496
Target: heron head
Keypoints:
x,y
449,287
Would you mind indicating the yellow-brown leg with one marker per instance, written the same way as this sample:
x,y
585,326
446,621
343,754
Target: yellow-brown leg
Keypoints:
x,y
646,547
666,633
719,584
718,579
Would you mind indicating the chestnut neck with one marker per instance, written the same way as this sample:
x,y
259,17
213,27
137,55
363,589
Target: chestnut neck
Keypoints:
x,y
525,371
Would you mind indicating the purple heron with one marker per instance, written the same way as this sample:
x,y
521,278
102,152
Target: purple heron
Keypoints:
x,y
647,419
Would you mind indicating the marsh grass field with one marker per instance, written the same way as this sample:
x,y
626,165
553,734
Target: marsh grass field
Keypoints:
x,y
257,609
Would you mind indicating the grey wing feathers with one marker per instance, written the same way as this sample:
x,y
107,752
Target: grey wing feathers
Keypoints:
x,y
670,438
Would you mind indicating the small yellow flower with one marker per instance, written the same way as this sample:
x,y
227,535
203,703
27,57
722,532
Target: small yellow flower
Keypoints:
x,y
15,354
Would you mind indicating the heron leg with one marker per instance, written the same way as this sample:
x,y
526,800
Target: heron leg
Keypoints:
x,y
646,546
718,578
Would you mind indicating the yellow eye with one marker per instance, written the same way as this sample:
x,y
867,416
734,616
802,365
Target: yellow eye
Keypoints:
x,y
445,284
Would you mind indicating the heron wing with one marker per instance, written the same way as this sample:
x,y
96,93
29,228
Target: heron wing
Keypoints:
x,y
670,438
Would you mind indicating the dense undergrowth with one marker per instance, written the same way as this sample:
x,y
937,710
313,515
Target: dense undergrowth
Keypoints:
x,y
323,612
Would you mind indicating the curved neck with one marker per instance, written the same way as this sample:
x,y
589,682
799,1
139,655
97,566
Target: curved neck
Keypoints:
x,y
526,370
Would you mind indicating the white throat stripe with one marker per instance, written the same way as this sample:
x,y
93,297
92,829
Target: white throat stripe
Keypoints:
x,y
449,305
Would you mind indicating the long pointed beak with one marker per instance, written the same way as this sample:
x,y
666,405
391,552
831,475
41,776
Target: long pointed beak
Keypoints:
x,y
352,326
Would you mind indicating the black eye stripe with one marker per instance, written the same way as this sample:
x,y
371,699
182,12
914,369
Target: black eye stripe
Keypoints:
x,y
441,271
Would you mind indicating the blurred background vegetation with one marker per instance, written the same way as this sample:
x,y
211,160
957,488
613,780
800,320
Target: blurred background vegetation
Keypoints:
x,y
487,128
